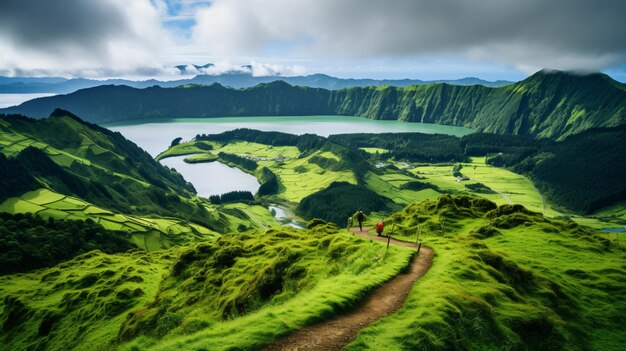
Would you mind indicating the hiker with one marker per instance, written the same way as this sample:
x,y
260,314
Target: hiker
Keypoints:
x,y
360,217
380,226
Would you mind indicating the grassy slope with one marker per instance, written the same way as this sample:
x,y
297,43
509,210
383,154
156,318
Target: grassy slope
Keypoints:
x,y
99,156
512,187
225,294
523,282
150,233
79,304
98,166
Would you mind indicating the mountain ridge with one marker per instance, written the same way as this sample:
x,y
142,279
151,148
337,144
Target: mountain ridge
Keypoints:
x,y
22,85
548,104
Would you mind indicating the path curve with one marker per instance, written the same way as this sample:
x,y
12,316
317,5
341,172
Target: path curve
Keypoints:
x,y
388,298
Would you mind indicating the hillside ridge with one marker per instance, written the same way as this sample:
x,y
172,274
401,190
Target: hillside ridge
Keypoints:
x,y
548,104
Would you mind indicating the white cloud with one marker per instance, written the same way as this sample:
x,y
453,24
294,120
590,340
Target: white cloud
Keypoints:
x,y
95,38
256,69
530,34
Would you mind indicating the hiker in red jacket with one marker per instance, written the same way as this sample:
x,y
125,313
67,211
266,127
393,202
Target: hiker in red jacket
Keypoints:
x,y
380,226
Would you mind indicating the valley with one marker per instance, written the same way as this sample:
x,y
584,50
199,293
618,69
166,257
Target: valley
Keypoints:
x,y
202,234
245,175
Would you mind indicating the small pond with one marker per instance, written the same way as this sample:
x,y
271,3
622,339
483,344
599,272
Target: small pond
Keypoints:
x,y
213,178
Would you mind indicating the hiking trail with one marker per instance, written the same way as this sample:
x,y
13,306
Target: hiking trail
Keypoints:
x,y
336,333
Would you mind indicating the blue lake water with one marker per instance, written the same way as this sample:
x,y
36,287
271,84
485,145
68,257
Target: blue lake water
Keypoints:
x,y
155,137
213,178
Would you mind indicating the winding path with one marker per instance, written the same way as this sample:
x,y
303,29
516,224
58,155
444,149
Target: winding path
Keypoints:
x,y
385,300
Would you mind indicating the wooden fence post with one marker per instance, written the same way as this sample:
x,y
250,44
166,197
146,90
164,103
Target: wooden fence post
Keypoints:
x,y
389,236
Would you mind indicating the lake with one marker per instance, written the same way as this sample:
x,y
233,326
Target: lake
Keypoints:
x,y
212,178
155,137
8,100
217,178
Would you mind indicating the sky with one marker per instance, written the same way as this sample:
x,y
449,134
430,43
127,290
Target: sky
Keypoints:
x,y
418,39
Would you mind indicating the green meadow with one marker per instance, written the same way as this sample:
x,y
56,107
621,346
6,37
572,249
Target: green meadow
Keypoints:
x,y
298,175
504,278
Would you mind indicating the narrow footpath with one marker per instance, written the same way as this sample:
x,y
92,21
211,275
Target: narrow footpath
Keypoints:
x,y
334,334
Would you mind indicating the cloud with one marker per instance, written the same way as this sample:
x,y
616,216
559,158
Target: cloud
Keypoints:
x,y
528,34
76,37
256,69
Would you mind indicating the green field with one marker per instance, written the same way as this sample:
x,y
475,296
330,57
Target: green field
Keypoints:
x,y
257,216
374,150
147,233
298,177
12,143
510,188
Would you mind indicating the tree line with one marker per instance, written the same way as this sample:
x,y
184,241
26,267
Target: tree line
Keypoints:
x,y
29,242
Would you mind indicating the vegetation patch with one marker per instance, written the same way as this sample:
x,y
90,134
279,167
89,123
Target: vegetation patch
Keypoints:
x,y
515,287
28,242
79,303
247,289
340,201
479,188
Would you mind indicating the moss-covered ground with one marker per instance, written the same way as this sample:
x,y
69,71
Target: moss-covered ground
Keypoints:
x,y
505,278
241,291
79,304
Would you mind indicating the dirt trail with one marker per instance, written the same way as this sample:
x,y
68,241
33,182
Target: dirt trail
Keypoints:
x,y
385,300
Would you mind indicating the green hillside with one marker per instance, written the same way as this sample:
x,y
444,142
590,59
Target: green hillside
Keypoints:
x,y
76,158
66,169
102,248
224,295
504,278
549,104
582,173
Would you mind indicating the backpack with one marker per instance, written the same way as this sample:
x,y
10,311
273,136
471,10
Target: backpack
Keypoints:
x,y
379,227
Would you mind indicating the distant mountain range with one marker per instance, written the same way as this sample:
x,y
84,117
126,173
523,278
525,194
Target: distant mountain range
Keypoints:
x,y
548,104
244,79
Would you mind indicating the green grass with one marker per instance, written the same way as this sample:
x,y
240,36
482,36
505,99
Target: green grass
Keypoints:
x,y
48,204
258,216
388,185
512,188
199,158
79,304
297,184
13,142
521,282
241,291
183,149
272,283
298,177
374,150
